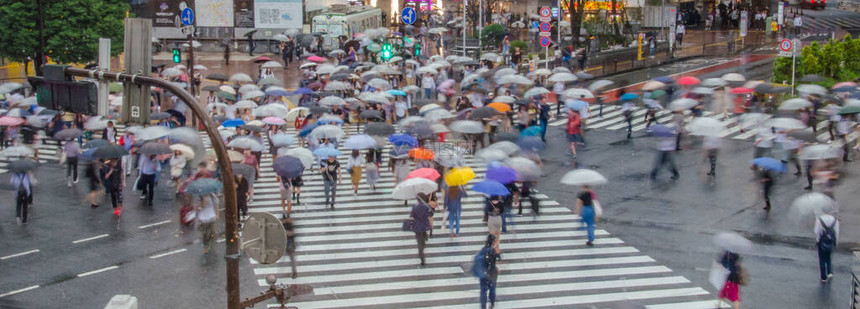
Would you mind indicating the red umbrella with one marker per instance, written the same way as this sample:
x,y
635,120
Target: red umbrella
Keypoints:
x,y
262,59
316,59
844,84
688,81
427,173
741,90
421,154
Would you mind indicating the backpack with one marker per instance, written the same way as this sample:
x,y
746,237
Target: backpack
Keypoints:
x,y
480,265
827,241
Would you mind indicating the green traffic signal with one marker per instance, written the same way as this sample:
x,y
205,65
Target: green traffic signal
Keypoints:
x,y
177,56
417,48
386,51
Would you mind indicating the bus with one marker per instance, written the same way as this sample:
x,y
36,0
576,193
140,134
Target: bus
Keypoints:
x,y
345,21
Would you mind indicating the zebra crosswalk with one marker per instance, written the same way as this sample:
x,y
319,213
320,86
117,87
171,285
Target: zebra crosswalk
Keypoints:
x,y
355,255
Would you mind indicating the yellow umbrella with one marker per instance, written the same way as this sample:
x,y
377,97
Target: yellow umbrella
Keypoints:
x,y
459,176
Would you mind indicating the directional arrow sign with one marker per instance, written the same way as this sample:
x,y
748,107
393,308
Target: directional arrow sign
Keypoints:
x,y
408,16
187,17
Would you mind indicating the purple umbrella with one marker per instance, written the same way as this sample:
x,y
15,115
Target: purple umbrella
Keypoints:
x,y
288,167
302,91
502,174
462,114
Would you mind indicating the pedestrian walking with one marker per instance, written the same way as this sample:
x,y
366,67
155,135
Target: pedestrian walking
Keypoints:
x,y
251,44
679,119
285,188
843,128
177,166
428,84
354,165
790,148
242,187
543,117
93,173
454,206
421,214
485,269
114,183
585,207
679,34
666,146
331,178
371,169
493,211
763,142
207,213
291,245
711,145
731,290
574,132
22,182
71,150
627,111
766,179
149,168
109,133
826,233
127,142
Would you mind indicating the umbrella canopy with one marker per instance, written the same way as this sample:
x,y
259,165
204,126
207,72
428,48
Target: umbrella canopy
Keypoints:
x,y
467,126
733,77
245,104
489,154
325,152
741,90
304,155
531,131
271,110
110,152
155,148
770,164
225,95
409,188
600,84
402,139
531,143
202,186
500,107
682,104
421,154
820,152
246,171
536,91
501,173
733,242
426,173
583,177
628,96
653,85
507,147
562,77
218,77
283,140
96,143
459,176
370,114
331,101
241,78
579,93
228,89
814,203
714,82
688,81
526,168
17,151
22,166
360,141
68,134
785,123
848,110
812,89
246,143
271,64
231,123
703,90
184,149
380,129
11,121
705,126
151,133
96,123
288,166
484,112
795,104
504,99
491,187
274,121
327,131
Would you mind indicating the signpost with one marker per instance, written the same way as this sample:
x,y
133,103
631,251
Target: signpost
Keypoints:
x,y
187,17
408,15
545,16
789,48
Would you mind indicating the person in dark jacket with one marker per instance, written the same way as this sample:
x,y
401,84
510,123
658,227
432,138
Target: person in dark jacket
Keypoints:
x,y
114,183
488,283
291,245
421,214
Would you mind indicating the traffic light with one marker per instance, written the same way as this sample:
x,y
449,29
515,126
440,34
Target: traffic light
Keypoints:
x,y
417,48
177,55
386,52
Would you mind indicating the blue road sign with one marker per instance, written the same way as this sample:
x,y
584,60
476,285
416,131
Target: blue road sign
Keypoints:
x,y
534,24
544,41
408,16
187,17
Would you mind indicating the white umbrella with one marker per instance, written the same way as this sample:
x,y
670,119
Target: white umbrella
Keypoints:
x,y
304,155
705,126
599,84
410,89
515,79
254,94
151,133
733,77
336,52
560,70
428,70
241,78
409,188
733,242
815,204
795,104
504,99
395,59
374,98
280,37
96,123
17,151
820,152
578,93
248,88
200,67
438,30
307,65
293,113
336,86
682,104
379,83
185,150
490,154
653,85
408,121
786,123
245,104
507,147
246,143
327,131
812,89
703,90
503,72
535,91
331,101
467,126
273,110
713,82
543,72
171,72
562,77
526,169
324,69
489,56
852,102
518,24
583,177
428,107
437,115
228,89
271,64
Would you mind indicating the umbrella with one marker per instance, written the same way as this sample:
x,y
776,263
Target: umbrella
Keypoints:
x,y
583,177
232,123
531,143
96,143
316,59
785,123
293,113
248,88
155,148
653,85
421,154
629,96
713,82
769,164
814,203
325,152
202,186
241,78
584,75
459,176
151,133
733,77
379,83
820,152
535,91
402,139
664,79
288,166
704,126
331,101
110,152
96,123
22,166
171,72
484,112
245,104
401,151
307,65
246,143
490,154
380,129
409,188
562,77
360,141
304,155
327,131
844,84
507,147
795,104
254,94
600,84
276,91
159,116
271,110
500,107
426,173
853,109
703,90
274,121
225,95
245,170
68,134
184,149
526,168
271,64
307,130
17,151
467,126
217,76
336,86
491,187
228,89
812,89
504,99
370,114
682,104
283,140
501,173
396,92
578,93
733,242
11,121
531,131
741,90
844,89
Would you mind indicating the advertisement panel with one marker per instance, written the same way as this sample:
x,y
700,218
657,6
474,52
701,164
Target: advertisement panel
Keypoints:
x,y
279,14
214,13
164,13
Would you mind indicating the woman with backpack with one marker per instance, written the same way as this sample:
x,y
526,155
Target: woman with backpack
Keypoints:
x,y
485,269
826,232
23,184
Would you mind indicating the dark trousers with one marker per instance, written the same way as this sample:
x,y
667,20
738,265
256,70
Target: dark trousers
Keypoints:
x,y
824,265
488,289
712,159
22,205
766,188
664,157
629,120
292,254
251,47
115,196
421,237
148,184
809,174
72,168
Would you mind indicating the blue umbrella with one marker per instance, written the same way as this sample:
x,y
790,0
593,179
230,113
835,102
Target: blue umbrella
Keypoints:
x,y
662,131
283,140
233,123
88,155
401,139
845,89
665,79
325,152
396,92
400,151
288,167
629,96
360,141
302,90
278,92
531,143
531,131
491,187
329,120
307,130
502,174
577,105
204,186
769,164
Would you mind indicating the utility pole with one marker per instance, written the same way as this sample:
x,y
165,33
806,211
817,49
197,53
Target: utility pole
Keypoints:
x,y
463,28
40,52
191,84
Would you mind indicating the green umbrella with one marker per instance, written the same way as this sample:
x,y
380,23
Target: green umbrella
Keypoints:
x,y
226,95
657,94
115,87
374,47
849,110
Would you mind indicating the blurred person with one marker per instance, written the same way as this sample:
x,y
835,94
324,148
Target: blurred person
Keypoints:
x,y
826,234
585,209
421,214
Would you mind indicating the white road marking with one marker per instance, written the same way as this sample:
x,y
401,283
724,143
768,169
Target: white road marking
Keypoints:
x,y
19,254
167,253
91,238
81,275
153,224
19,291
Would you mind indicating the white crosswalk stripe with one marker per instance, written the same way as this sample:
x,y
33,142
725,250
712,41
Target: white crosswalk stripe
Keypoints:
x,y
355,256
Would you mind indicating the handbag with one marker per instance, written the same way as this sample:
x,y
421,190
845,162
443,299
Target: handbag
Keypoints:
x,y
407,225
598,210
718,275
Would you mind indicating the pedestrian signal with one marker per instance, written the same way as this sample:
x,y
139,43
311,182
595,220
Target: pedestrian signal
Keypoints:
x,y
177,56
386,52
417,48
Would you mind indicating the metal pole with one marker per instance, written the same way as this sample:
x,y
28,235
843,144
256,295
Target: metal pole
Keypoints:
x,y
104,65
191,60
230,218
793,65
480,25
463,28
40,53
546,56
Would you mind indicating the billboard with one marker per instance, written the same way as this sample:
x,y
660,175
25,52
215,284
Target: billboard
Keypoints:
x,y
279,14
214,13
164,13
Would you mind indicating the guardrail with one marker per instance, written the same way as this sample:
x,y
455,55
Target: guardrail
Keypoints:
x,y
855,289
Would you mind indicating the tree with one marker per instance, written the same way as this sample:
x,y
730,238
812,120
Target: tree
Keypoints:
x,y
72,28
831,58
577,10
492,35
811,58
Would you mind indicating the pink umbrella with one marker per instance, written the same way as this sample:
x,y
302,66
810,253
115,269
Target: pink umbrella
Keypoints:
x,y
844,84
316,59
274,121
688,81
443,86
10,121
427,173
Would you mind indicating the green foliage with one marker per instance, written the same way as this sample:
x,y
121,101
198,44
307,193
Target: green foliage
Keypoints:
x,y
830,60
72,28
782,69
811,58
492,35
521,44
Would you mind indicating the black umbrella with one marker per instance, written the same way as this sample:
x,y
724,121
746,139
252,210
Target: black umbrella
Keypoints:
x,y
339,76
212,88
354,44
762,88
250,33
96,143
219,118
484,112
306,40
288,167
111,152
420,130
179,115
246,171
422,102
252,128
370,114
159,116
218,77
155,148
811,78
379,129
23,165
777,90
68,134
505,136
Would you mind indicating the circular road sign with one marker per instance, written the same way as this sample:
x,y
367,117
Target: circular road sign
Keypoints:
x,y
544,41
785,45
408,15
545,11
545,27
264,238
187,17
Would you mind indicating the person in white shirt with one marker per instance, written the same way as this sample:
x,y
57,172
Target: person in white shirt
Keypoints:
x,y
400,110
665,149
843,128
679,34
428,84
798,25
826,233
790,148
